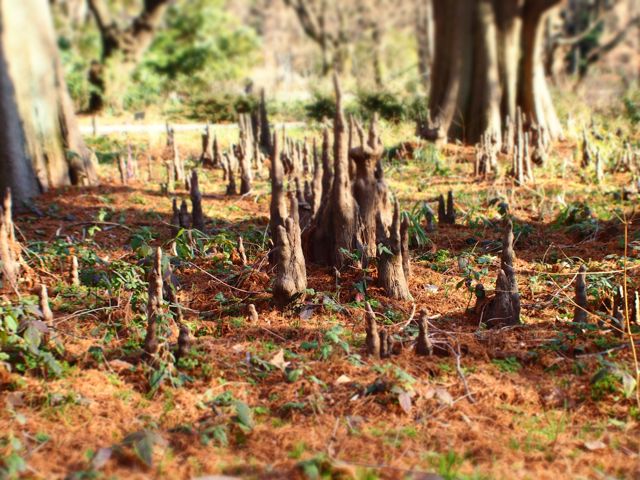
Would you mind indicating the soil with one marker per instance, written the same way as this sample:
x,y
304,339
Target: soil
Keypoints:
x,y
530,408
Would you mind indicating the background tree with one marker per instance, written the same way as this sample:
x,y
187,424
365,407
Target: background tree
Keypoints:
x,y
40,143
336,27
488,62
197,48
199,44
129,42
326,24
585,31
423,18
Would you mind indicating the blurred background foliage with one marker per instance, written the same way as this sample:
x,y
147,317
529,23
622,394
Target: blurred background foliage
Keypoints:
x,y
209,58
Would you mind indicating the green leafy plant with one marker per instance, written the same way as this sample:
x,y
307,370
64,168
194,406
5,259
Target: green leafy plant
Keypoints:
x,y
333,338
22,338
611,378
430,157
12,461
578,218
507,365
321,107
418,236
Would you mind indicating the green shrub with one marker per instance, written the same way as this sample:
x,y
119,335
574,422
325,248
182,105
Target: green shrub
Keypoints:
x,y
387,105
22,338
217,108
321,107
416,107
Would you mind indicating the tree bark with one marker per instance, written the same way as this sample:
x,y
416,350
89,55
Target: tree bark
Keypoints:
x,y
40,142
424,35
488,62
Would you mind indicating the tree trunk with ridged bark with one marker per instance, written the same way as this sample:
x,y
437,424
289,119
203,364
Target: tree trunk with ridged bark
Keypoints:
x,y
488,62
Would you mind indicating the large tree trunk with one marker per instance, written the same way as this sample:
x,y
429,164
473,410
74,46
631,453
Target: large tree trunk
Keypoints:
x,y
488,62
40,143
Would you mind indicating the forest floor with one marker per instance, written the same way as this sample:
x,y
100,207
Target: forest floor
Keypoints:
x,y
294,395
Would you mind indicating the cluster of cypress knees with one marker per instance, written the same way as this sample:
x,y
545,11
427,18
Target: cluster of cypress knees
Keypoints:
x,y
333,212
343,215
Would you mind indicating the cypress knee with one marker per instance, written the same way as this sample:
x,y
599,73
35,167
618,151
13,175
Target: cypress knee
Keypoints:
x,y
581,309
73,271
43,297
504,308
175,217
184,215
154,305
291,273
373,337
197,216
423,343
391,275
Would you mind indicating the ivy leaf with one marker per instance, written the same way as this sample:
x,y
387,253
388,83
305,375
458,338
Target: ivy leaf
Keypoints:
x,y
32,337
244,417
10,323
293,375
144,450
220,436
142,443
